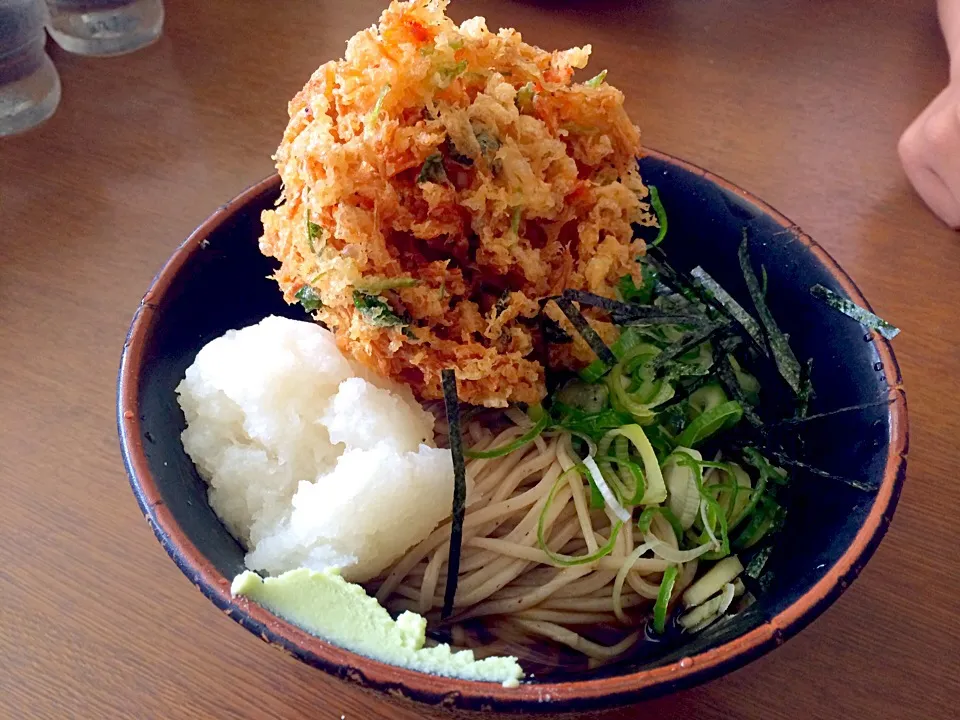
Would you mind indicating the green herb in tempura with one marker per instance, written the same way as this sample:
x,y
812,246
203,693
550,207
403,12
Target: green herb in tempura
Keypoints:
x,y
374,115
433,170
376,310
309,298
375,286
597,80
314,232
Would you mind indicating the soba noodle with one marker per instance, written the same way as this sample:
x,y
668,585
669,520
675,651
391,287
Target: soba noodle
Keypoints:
x,y
505,573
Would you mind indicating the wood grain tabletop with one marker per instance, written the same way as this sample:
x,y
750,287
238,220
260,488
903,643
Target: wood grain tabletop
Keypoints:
x,y
799,102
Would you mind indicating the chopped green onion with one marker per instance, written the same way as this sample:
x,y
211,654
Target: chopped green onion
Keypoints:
x,y
452,406
854,311
450,73
525,95
709,422
515,215
646,518
529,436
656,490
707,398
591,398
570,560
375,286
663,599
660,213
593,425
374,115
597,80
456,44
598,368
609,496
309,298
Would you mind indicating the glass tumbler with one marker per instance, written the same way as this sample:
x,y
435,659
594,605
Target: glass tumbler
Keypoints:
x,y
104,27
29,84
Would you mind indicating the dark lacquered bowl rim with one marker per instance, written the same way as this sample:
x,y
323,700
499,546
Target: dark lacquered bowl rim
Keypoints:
x,y
449,692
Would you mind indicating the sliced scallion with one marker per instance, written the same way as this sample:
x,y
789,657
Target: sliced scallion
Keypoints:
x,y
709,422
660,213
663,599
528,437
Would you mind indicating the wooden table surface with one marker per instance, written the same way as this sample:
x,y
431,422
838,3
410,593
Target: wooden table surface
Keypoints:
x,y
799,102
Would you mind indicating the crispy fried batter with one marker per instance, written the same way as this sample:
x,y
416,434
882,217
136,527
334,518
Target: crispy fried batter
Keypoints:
x,y
471,165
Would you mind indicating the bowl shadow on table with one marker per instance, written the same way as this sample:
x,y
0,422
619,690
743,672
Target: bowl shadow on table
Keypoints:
x,y
223,284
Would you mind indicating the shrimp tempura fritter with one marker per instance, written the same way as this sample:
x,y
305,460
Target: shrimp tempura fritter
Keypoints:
x,y
438,183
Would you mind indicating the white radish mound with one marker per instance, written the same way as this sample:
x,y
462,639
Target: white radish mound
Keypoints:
x,y
311,461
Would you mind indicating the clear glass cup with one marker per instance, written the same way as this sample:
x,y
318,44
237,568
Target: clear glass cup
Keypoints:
x,y
104,27
29,84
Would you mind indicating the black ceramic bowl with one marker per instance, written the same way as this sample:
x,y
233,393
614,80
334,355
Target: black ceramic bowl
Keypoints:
x,y
217,281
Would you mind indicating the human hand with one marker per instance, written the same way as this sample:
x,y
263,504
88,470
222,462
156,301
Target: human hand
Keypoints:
x,y
930,152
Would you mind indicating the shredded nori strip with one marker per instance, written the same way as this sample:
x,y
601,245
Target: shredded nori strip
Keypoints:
x,y
729,379
783,356
733,308
451,403
830,413
589,335
854,311
660,319
625,313
785,459
806,390
552,332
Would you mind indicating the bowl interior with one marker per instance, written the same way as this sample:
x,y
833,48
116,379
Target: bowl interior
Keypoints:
x,y
222,284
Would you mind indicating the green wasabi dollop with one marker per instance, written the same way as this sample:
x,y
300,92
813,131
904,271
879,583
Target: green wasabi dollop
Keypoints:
x,y
326,605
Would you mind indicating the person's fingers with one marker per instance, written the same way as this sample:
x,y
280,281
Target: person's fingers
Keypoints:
x,y
930,152
938,196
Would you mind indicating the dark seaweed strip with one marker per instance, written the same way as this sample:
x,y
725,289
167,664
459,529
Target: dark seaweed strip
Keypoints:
x,y
852,310
552,332
627,313
660,319
787,460
830,413
589,335
693,340
452,406
598,301
733,308
786,361
806,390
660,213
672,278
729,379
